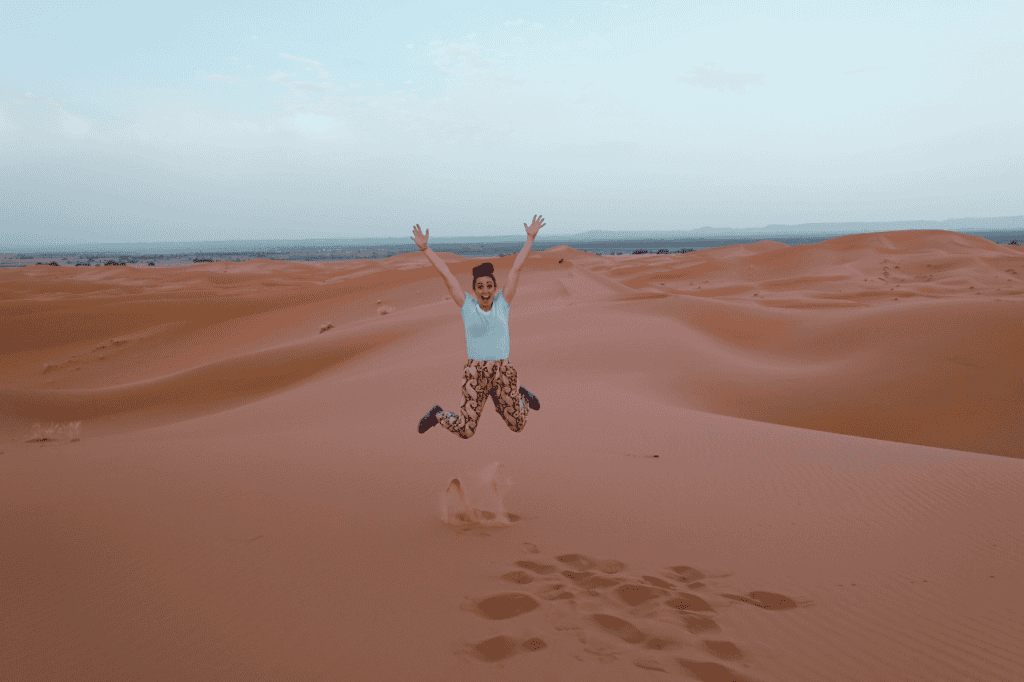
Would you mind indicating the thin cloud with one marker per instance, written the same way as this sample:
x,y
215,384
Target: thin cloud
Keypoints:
x,y
291,81
222,79
716,79
301,59
288,80
323,71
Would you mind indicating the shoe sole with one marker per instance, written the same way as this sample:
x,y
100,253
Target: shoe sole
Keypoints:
x,y
429,421
531,399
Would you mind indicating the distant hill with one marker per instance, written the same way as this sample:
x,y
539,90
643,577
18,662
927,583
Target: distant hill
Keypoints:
x,y
952,224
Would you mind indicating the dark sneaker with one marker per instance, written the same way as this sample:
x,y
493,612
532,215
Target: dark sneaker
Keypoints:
x,y
531,399
430,418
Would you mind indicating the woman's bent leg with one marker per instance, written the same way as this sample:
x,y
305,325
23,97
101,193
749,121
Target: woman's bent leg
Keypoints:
x,y
509,403
476,381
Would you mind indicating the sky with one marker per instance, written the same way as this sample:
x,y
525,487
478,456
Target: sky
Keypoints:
x,y
190,121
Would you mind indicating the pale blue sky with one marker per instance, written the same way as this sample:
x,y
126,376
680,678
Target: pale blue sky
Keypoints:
x,y
145,121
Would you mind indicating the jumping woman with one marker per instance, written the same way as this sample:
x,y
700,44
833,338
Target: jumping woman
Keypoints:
x,y
488,371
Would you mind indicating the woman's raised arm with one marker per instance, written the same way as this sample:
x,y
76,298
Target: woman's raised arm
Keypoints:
x,y
453,284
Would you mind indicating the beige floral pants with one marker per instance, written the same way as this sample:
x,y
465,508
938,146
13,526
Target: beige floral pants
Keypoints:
x,y
480,379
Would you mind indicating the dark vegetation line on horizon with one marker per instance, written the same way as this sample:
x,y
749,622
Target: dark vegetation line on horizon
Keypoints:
x,y
833,229
241,258
374,250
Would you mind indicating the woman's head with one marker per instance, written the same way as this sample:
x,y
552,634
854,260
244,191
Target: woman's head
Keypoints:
x,y
484,284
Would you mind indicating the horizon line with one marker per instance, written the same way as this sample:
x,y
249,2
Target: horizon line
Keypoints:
x,y
775,229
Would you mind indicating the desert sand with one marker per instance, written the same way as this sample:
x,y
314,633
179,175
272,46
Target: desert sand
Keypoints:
x,y
755,462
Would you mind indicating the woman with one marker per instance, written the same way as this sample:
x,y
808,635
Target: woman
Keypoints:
x,y
488,371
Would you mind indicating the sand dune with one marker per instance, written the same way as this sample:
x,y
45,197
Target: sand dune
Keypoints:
x,y
753,462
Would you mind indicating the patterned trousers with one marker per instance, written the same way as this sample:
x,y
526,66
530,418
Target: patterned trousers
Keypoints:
x,y
480,379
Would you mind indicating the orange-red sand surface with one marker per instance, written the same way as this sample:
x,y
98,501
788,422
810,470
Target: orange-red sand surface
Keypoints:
x,y
753,462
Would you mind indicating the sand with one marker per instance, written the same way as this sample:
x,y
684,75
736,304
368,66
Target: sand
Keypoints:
x,y
753,462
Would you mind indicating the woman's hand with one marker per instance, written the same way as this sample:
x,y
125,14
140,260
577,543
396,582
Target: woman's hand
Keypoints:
x,y
420,238
534,227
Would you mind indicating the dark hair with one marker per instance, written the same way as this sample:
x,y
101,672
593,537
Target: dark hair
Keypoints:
x,y
484,270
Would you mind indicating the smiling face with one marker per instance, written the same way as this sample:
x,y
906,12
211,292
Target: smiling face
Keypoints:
x,y
485,289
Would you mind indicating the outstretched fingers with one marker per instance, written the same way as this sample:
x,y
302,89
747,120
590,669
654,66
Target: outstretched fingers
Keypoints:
x,y
419,237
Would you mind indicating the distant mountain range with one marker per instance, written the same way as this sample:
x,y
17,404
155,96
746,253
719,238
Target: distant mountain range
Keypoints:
x,y
953,225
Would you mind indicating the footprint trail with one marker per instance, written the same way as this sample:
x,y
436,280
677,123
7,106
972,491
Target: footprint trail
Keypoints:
x,y
596,609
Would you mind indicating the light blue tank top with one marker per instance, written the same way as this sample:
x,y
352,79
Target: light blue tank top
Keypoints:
x,y
486,332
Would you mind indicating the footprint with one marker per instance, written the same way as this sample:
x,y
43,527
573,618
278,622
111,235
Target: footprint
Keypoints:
x,y
658,643
685,574
504,606
589,581
581,562
698,625
542,569
501,647
623,629
533,644
710,672
766,600
658,582
517,577
727,651
556,592
494,649
689,602
649,665
635,595
630,633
